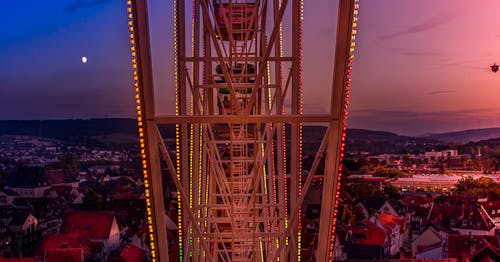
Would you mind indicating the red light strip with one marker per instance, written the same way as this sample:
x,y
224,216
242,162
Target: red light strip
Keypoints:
x,y
344,122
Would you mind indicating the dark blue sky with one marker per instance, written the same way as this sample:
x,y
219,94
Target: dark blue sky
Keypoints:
x,y
420,66
41,46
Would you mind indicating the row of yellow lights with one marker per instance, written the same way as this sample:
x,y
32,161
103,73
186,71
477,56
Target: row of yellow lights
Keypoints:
x,y
191,135
207,165
269,106
300,58
177,135
139,107
192,138
344,122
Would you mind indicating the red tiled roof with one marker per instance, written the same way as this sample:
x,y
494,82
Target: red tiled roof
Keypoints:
x,y
375,236
416,200
18,259
494,252
463,246
93,224
371,233
492,206
57,241
64,255
463,216
131,253
390,220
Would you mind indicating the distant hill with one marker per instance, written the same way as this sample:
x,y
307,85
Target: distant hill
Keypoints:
x,y
466,136
110,131
118,131
386,142
63,129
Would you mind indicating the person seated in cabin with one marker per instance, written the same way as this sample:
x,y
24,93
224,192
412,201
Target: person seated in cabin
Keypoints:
x,y
226,154
311,227
227,105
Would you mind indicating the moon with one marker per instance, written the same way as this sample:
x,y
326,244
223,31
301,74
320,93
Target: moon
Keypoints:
x,y
84,59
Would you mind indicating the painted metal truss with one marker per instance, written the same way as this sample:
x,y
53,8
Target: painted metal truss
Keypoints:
x,y
238,174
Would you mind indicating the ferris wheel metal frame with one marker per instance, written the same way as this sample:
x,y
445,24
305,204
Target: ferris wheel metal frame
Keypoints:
x,y
245,206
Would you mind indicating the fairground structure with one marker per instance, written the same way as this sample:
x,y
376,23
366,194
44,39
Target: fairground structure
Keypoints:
x,y
237,163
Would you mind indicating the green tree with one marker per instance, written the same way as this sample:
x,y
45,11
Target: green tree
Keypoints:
x,y
466,183
69,162
392,191
384,172
365,169
486,182
364,189
494,194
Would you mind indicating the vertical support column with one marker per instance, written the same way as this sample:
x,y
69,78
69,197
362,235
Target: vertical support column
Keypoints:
x,y
196,139
296,128
280,131
209,105
182,133
209,110
337,128
153,184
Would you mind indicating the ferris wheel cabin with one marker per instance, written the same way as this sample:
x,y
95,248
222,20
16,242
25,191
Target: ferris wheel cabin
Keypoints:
x,y
237,19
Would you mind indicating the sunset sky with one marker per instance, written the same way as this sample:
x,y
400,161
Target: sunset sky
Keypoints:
x,y
421,65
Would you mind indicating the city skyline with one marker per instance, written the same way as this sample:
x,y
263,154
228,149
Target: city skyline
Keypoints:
x,y
430,60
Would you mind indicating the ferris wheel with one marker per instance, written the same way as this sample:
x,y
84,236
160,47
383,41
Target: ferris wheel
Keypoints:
x,y
237,161
494,68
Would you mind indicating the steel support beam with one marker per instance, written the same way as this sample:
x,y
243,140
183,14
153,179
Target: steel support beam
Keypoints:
x,y
337,110
152,159
233,119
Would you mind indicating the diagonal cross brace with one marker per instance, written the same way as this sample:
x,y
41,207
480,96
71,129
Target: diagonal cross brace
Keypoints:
x,y
173,172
